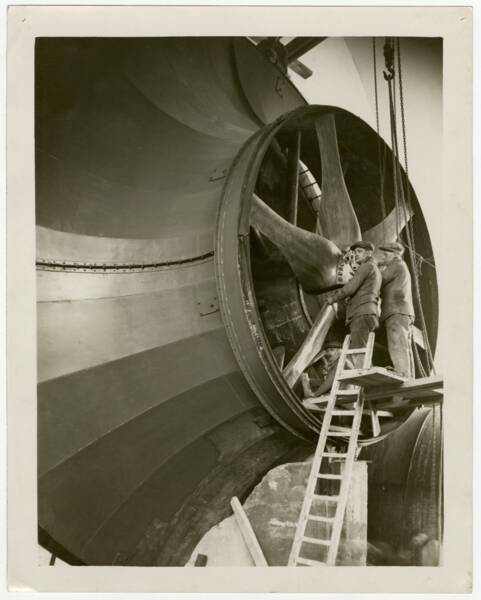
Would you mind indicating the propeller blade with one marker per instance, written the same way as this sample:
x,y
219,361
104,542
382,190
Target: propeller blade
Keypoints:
x,y
389,229
311,346
337,218
312,257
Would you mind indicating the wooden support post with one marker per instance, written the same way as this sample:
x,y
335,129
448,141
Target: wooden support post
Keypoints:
x,y
248,533
376,426
311,345
293,177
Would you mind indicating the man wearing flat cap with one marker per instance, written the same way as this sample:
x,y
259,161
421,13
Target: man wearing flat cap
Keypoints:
x,y
397,311
327,366
362,294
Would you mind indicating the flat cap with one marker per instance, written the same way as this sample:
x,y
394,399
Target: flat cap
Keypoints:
x,y
363,244
332,344
392,247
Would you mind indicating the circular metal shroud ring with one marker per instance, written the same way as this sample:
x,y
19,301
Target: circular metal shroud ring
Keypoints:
x,y
236,291
235,286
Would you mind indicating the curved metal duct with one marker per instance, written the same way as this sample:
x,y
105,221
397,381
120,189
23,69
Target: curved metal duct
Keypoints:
x,y
140,398
406,484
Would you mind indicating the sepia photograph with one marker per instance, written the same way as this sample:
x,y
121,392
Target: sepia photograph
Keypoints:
x,y
237,298
240,346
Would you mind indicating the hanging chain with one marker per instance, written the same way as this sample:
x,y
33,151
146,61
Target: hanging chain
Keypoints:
x,y
381,160
389,59
402,196
410,227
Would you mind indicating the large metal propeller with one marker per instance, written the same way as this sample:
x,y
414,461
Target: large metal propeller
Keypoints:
x,y
314,258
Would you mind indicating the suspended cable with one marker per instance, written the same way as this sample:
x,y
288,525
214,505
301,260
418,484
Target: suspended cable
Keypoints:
x,y
411,251
389,75
410,228
402,197
381,160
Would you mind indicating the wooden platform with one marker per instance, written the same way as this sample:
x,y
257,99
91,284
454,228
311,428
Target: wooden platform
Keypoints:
x,y
386,390
398,402
426,387
411,393
373,377
310,404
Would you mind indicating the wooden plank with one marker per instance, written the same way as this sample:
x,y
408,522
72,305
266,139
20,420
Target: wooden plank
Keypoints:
x,y
396,402
316,408
373,377
412,395
376,426
311,346
301,69
412,388
248,533
300,45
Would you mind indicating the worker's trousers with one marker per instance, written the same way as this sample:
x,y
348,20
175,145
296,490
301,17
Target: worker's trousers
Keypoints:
x,y
360,328
399,343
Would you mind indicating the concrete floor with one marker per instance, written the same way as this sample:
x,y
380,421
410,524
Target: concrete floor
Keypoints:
x,y
273,508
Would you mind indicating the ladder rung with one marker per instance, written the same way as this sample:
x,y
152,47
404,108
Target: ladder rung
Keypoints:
x,y
356,351
329,476
347,392
351,372
311,540
325,497
339,433
346,413
317,400
334,454
309,562
320,518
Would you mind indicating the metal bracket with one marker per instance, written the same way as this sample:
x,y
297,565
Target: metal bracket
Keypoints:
x,y
207,301
218,173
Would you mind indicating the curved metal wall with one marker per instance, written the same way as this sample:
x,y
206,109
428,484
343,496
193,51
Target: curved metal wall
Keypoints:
x,y
406,483
133,142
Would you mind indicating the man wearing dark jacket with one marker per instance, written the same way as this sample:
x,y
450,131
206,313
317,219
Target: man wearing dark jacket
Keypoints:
x,y
397,310
362,294
326,367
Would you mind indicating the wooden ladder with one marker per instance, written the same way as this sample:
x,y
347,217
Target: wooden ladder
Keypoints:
x,y
339,501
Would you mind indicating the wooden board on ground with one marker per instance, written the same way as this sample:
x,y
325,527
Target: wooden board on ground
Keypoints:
x,y
373,377
248,533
